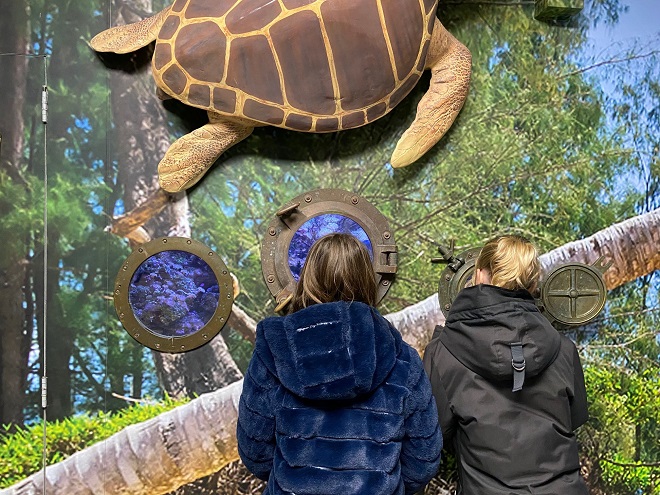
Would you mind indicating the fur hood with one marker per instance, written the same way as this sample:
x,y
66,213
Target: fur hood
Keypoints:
x,y
331,351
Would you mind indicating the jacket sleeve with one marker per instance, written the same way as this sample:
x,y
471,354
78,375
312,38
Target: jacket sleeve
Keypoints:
x,y
422,442
255,430
432,368
579,410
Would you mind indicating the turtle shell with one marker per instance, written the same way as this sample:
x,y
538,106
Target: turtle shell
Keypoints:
x,y
307,65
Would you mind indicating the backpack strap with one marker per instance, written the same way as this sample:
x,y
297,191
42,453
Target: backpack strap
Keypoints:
x,y
518,365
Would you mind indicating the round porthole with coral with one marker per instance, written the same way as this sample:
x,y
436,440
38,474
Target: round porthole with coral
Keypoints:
x,y
312,215
173,294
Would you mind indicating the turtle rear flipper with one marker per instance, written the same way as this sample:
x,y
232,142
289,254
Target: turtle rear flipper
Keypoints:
x,y
188,159
450,63
129,37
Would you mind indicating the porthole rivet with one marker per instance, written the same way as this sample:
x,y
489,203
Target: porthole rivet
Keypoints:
x,y
271,231
308,198
355,200
386,235
271,279
386,283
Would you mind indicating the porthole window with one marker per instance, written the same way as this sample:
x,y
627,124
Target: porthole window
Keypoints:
x,y
310,216
571,294
173,294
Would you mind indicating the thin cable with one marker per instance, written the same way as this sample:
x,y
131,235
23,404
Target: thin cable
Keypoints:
x,y
16,54
44,377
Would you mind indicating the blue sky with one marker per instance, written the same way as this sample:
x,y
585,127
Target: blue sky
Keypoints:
x,y
639,24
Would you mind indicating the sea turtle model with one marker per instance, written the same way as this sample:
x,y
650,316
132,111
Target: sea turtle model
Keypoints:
x,y
304,65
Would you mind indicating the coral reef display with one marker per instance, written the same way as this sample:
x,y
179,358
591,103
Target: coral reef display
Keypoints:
x,y
315,228
174,293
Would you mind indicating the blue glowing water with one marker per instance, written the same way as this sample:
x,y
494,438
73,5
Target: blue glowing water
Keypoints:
x,y
173,293
315,228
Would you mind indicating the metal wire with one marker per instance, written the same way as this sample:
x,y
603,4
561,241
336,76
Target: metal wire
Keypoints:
x,y
44,377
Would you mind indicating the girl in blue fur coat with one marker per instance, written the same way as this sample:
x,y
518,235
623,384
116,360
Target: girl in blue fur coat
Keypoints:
x,y
334,402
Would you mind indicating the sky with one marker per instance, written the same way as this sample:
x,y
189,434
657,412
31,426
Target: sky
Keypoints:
x,y
640,24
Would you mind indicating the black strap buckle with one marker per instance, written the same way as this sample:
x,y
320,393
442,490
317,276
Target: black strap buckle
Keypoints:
x,y
518,365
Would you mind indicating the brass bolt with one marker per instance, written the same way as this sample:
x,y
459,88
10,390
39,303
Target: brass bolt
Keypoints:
x,y
271,231
447,306
308,198
386,283
355,200
386,235
271,279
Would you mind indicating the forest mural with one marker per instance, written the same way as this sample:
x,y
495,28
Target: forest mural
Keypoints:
x,y
558,140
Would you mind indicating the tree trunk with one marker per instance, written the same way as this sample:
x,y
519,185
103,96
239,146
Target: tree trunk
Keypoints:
x,y
157,456
197,439
14,345
142,140
633,245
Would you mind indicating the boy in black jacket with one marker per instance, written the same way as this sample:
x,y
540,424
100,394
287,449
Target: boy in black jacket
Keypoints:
x,y
509,388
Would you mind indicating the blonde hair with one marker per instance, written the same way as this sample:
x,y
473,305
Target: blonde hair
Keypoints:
x,y
512,262
337,268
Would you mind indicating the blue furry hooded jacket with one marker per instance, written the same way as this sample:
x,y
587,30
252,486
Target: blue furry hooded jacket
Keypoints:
x,y
334,402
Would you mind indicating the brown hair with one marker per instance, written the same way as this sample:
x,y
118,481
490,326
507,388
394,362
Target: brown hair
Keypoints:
x,y
512,262
337,268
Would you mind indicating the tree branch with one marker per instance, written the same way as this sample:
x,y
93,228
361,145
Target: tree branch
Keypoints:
x,y
124,225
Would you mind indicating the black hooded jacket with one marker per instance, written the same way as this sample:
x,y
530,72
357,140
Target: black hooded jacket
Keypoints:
x,y
507,442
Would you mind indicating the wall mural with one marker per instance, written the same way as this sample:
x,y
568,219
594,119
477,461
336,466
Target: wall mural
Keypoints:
x,y
557,140
311,66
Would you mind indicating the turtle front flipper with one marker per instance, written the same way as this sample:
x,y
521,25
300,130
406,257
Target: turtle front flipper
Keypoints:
x,y
450,63
188,159
129,37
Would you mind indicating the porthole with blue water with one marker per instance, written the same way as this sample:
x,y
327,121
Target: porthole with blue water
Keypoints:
x,y
173,294
305,219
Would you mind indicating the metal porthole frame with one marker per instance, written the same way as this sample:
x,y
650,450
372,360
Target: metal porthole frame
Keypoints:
x,y
288,219
455,276
173,344
561,299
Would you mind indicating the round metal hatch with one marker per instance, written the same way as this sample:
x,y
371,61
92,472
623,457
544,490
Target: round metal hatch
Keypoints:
x,y
573,294
457,274
310,216
173,294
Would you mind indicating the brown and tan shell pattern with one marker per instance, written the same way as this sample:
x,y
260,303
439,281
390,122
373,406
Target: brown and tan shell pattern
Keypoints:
x,y
307,65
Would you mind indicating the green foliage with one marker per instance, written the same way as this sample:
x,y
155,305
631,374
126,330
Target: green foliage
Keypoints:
x,y
22,215
21,448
